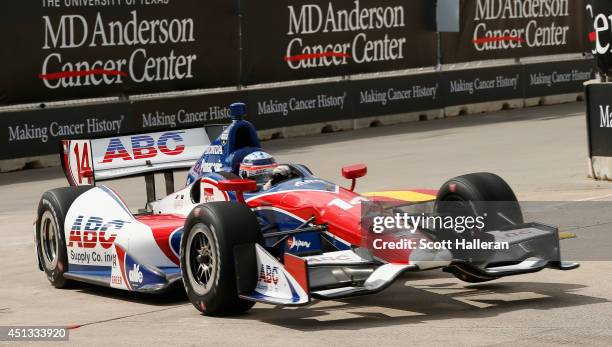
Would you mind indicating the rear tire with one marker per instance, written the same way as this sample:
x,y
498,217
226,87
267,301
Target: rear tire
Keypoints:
x,y
50,233
207,255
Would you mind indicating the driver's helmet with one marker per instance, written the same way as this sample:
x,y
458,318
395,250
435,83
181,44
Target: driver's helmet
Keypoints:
x,y
258,166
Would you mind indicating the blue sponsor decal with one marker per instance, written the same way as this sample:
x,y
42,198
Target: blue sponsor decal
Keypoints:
x,y
139,275
303,242
175,241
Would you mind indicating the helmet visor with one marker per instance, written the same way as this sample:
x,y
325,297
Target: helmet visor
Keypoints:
x,y
258,173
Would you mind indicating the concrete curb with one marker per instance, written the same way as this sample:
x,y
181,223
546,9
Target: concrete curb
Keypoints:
x,y
554,99
447,112
490,106
37,162
348,124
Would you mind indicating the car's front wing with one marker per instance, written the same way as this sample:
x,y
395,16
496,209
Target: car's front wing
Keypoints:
x,y
263,278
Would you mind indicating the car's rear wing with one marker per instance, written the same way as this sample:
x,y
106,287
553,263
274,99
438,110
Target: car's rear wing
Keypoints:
x,y
86,162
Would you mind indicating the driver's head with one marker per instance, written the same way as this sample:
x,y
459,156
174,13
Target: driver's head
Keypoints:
x,y
258,166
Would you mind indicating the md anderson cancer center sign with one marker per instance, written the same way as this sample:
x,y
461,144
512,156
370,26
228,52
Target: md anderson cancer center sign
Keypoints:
x,y
288,40
71,49
498,29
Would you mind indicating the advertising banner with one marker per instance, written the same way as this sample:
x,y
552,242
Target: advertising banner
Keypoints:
x,y
558,77
599,19
396,95
183,112
500,29
461,87
38,132
61,49
281,107
292,40
599,117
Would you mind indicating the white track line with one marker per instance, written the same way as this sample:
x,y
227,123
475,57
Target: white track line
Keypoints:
x,y
596,198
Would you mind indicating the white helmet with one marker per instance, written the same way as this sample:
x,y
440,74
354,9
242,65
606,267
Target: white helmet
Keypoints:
x,y
258,166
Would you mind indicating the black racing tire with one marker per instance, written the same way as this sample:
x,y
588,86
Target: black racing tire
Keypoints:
x,y
479,194
207,255
50,233
481,188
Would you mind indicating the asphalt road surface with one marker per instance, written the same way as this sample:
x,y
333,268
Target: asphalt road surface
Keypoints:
x,y
540,151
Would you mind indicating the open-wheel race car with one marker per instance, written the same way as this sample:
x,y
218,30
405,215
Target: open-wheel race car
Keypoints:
x,y
235,239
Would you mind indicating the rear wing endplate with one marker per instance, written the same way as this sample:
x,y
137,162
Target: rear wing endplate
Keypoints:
x,y
86,162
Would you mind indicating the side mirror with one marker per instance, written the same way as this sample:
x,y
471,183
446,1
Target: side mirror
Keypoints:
x,y
239,186
354,172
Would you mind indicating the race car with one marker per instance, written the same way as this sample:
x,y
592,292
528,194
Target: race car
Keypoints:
x,y
233,241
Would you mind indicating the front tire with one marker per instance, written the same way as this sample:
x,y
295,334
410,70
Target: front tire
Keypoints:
x,y
50,233
479,194
207,255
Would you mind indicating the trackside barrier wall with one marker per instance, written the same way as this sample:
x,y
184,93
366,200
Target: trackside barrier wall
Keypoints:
x,y
599,127
56,50
282,111
88,69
